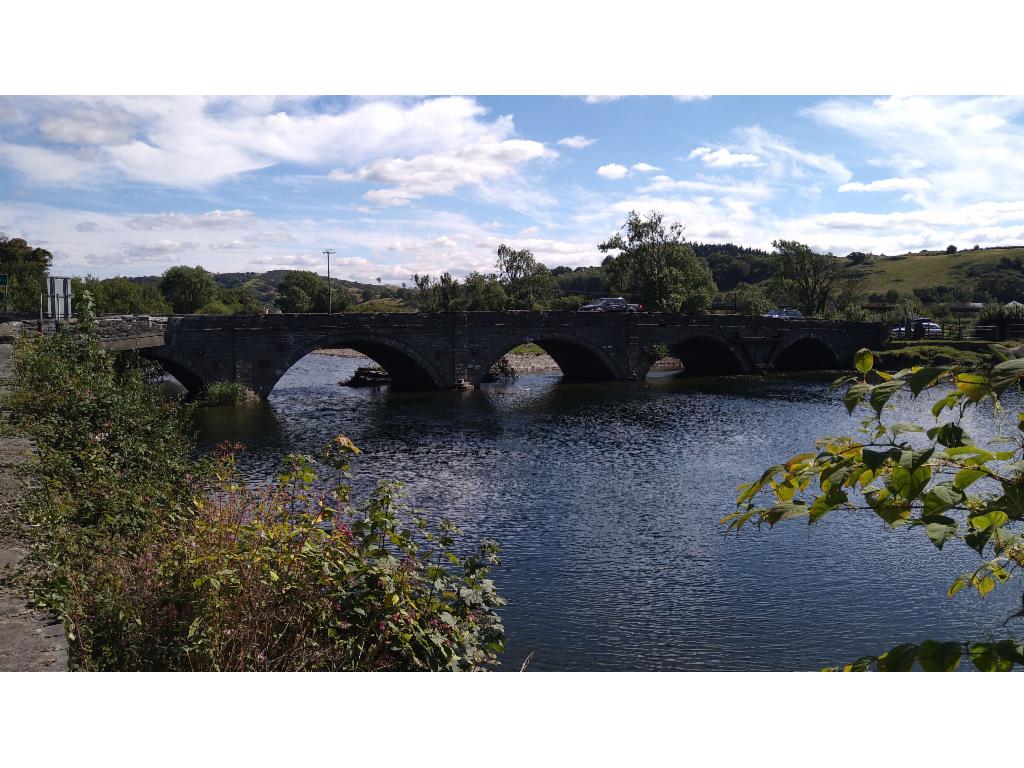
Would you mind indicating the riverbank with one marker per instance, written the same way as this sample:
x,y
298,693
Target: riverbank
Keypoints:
x,y
532,360
30,641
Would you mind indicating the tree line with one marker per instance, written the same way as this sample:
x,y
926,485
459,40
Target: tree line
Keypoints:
x,y
647,261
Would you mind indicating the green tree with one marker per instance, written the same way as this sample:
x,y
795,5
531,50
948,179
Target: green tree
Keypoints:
x,y
932,480
527,283
814,282
302,291
656,268
26,269
481,293
123,296
187,288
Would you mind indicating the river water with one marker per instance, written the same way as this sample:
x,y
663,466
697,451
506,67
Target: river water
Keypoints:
x,y
606,498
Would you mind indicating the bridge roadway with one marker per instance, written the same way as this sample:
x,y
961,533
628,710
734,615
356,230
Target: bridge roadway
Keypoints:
x,y
449,350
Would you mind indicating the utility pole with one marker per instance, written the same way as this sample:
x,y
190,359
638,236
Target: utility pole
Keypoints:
x,y
330,292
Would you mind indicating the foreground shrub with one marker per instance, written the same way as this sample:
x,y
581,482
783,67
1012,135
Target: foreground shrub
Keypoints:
x,y
156,561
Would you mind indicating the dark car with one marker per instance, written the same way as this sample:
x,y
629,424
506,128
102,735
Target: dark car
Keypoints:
x,y
611,304
918,328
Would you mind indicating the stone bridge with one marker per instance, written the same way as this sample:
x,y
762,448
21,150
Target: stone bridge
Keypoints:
x,y
440,351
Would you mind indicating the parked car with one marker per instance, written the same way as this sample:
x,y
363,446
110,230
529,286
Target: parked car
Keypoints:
x,y
918,328
611,304
789,314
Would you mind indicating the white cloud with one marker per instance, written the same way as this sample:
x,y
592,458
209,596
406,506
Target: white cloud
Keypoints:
x,y
645,167
752,190
196,142
785,160
722,157
968,149
577,142
691,98
211,220
45,166
613,171
886,185
601,99
442,173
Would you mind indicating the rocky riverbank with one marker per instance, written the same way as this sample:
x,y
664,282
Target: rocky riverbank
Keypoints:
x,y
30,641
522,363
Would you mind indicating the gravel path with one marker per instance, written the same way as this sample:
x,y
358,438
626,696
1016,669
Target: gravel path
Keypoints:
x,y
30,641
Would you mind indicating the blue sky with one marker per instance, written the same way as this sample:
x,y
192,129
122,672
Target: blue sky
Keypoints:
x,y
133,185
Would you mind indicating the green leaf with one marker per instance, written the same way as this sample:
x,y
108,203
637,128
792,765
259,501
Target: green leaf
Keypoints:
x,y
882,504
994,518
874,459
973,385
950,435
1010,650
904,426
923,378
898,659
977,540
942,497
1007,373
864,361
940,533
1012,501
909,484
958,584
966,477
986,658
881,394
855,395
942,403
939,657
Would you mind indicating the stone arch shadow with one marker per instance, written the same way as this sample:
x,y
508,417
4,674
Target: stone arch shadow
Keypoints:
x,y
192,377
578,358
705,353
409,369
807,352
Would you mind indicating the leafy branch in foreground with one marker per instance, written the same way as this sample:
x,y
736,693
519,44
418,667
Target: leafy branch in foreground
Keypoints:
x,y
933,479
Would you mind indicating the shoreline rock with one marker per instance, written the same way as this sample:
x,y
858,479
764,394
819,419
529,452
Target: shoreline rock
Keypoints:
x,y
521,363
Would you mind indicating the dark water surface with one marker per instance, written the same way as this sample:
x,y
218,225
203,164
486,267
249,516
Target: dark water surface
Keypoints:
x,y
606,500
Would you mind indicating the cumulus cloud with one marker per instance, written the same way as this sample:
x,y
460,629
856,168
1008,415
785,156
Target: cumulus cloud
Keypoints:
x,y
722,157
601,99
197,142
691,98
613,171
645,167
577,142
441,173
886,185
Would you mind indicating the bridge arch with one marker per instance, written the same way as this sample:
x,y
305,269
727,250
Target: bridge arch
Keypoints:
x,y
409,369
191,377
578,358
704,353
806,352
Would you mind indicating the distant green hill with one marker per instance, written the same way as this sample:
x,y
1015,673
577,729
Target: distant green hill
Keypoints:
x,y
985,273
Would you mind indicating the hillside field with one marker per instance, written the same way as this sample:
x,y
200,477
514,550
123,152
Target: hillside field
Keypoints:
x,y
927,270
